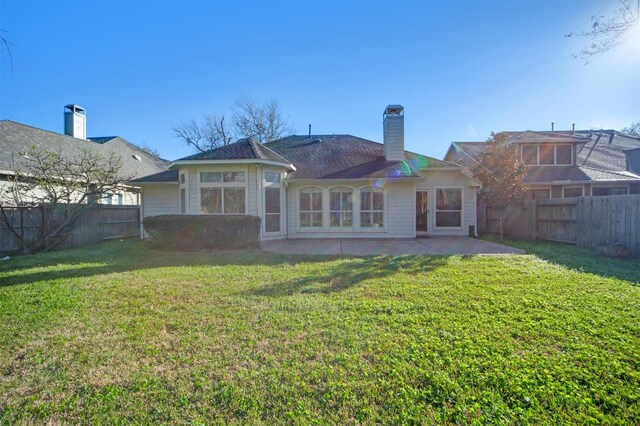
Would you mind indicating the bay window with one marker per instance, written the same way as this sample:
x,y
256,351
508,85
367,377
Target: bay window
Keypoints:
x,y
341,207
449,207
310,208
371,208
222,193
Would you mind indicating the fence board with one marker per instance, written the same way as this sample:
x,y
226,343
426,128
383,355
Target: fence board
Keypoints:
x,y
585,221
93,226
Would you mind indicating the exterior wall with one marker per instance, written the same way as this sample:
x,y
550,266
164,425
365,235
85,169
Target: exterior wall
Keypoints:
x,y
160,199
450,179
399,217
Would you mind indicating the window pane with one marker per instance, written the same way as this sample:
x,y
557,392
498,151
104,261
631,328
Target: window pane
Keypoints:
x,y
234,176
316,219
347,203
365,200
449,219
537,194
334,219
305,201
546,154
378,201
572,192
449,199
183,199
305,220
529,154
347,219
233,200
210,177
316,197
210,200
272,177
334,201
378,219
272,223
617,191
272,200
365,219
563,154
182,180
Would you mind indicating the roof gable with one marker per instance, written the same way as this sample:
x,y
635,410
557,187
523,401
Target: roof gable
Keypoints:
x,y
243,149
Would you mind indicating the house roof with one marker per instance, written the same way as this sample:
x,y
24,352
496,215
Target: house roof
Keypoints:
x,y
602,155
322,157
530,136
348,157
243,149
167,176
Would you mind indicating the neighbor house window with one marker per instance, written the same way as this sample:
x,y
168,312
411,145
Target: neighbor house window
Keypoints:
x,y
547,156
183,200
371,208
538,194
563,154
272,202
222,193
341,207
530,154
572,192
311,208
120,199
614,190
449,207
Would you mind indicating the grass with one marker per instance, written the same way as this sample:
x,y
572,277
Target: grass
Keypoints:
x,y
122,333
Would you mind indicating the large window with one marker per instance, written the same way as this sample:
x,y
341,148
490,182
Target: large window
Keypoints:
x,y
341,207
222,193
371,208
613,190
448,207
311,208
538,194
272,202
572,192
547,155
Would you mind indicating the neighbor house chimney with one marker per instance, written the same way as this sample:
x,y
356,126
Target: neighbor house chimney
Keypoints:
x,y
393,123
75,121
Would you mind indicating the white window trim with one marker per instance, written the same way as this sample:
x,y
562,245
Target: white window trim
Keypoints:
x,y
223,185
353,209
310,228
266,185
435,209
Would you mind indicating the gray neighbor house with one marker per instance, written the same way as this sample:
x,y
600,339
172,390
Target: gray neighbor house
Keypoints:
x,y
575,163
16,139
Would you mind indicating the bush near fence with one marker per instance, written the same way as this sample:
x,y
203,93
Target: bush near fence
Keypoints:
x,y
104,222
585,221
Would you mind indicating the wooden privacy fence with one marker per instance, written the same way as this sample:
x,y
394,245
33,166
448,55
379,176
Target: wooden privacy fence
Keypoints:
x,y
99,224
585,221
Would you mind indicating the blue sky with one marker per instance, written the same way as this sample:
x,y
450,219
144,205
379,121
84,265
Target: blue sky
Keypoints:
x,y
461,69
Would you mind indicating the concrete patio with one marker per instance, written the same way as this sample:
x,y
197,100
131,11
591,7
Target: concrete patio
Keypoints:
x,y
435,246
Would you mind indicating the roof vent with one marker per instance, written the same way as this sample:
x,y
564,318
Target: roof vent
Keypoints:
x,y
137,157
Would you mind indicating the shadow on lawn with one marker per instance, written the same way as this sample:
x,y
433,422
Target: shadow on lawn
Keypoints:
x,y
581,259
117,257
346,275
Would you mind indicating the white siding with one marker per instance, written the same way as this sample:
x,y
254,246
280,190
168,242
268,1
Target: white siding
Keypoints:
x,y
450,179
160,199
394,137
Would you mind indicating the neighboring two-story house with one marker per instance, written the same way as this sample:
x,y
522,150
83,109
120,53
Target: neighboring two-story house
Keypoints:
x,y
16,139
327,186
569,163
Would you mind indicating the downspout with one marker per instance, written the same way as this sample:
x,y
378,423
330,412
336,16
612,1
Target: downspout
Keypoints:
x,y
478,188
140,212
286,210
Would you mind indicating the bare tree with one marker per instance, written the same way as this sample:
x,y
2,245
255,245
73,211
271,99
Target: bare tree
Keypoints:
x,y
632,130
609,31
148,149
208,133
5,46
265,122
61,189
502,175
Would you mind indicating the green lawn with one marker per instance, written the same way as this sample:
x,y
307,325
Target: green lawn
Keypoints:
x,y
121,333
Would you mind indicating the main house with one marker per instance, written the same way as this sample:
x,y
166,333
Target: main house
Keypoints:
x,y
576,163
326,186
16,139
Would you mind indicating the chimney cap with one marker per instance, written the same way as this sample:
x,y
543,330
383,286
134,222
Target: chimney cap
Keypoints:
x,y
393,110
76,108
